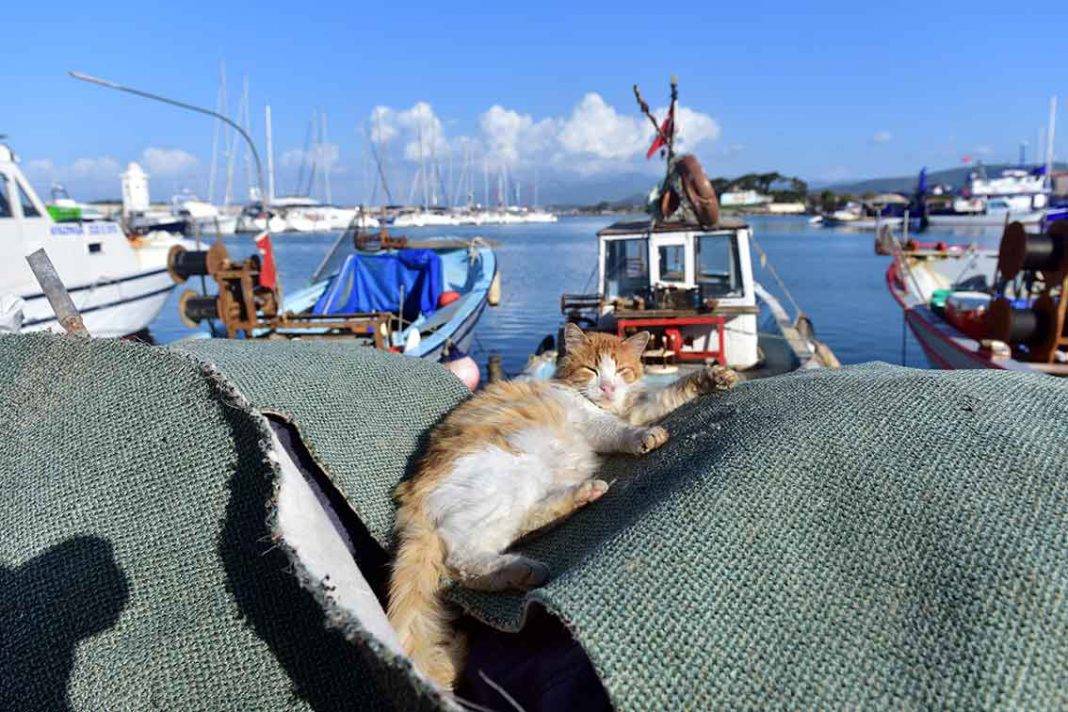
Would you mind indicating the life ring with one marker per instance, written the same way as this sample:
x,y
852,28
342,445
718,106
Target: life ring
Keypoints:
x,y
698,190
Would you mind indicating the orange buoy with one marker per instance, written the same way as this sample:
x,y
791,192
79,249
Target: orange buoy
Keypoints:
x,y
447,298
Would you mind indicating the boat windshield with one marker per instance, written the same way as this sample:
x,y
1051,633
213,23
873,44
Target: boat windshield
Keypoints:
x,y
5,206
672,263
719,272
626,267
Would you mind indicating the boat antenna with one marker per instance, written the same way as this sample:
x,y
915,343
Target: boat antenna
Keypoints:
x,y
673,112
181,105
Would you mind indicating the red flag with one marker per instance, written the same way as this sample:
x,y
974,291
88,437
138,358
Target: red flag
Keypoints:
x,y
268,272
966,159
666,129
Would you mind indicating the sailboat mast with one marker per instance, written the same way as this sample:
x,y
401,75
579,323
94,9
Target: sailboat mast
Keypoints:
x,y
322,154
1049,139
220,98
270,154
228,193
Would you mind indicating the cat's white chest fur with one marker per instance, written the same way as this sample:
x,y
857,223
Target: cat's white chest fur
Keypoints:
x,y
488,492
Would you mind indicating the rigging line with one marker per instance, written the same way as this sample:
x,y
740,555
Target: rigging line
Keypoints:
x,y
589,279
775,273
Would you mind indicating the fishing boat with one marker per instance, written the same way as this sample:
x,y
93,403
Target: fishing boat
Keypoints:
x,y
887,209
119,285
686,276
435,289
422,299
693,289
978,308
1017,195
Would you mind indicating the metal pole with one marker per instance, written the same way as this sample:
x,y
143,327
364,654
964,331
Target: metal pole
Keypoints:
x,y
270,162
182,105
66,313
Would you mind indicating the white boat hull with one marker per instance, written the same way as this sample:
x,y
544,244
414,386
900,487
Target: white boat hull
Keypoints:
x,y
123,306
1032,217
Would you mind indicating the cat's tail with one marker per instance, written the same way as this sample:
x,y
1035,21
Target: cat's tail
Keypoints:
x,y
416,611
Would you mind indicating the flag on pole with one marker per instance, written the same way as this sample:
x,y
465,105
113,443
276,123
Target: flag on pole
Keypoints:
x,y
666,129
268,271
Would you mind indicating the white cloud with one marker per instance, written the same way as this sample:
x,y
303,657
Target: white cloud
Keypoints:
x,y
984,150
882,136
594,137
509,136
168,162
597,130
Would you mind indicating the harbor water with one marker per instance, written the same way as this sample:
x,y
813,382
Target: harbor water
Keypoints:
x,y
833,274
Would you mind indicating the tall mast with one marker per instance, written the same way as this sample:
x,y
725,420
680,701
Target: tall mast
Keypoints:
x,y
422,164
246,124
270,155
1049,139
228,194
219,107
322,154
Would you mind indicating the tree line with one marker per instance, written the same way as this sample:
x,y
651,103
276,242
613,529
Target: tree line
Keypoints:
x,y
782,189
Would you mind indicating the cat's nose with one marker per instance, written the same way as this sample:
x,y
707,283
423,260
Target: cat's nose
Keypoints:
x,y
608,389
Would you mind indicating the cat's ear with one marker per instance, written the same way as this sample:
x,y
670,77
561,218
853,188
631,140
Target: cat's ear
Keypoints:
x,y
636,344
574,337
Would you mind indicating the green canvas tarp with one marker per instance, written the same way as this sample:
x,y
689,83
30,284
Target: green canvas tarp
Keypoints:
x,y
873,537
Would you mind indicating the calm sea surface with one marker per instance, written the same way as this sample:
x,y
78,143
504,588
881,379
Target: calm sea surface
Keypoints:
x,y
833,274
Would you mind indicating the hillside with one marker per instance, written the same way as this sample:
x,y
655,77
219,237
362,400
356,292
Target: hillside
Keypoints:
x,y
955,177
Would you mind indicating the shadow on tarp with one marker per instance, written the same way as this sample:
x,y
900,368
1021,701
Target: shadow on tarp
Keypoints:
x,y
71,591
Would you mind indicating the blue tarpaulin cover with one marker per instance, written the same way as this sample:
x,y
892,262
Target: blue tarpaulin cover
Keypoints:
x,y
368,283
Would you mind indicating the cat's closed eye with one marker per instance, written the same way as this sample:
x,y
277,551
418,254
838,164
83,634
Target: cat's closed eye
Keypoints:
x,y
627,373
591,371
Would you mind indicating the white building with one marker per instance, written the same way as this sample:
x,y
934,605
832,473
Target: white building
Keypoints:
x,y
743,198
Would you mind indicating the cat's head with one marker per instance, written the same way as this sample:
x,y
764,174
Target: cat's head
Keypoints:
x,y
602,367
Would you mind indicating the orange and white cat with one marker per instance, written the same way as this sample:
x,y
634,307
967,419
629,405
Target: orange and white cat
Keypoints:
x,y
512,459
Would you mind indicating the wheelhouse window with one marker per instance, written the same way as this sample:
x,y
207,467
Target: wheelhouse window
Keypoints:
x,y
719,272
5,203
29,210
672,263
626,267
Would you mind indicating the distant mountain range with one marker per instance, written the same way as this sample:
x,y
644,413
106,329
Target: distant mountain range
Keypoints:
x,y
955,177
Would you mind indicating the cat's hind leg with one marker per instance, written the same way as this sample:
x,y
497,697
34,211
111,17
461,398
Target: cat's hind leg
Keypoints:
x,y
560,503
491,571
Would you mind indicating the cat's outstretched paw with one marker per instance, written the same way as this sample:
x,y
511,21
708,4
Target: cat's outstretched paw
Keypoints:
x,y
589,491
714,379
650,439
528,574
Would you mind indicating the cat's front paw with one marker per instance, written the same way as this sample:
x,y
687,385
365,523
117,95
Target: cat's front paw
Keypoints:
x,y
649,439
714,379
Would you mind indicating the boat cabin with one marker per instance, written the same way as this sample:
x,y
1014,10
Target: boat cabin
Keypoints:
x,y
692,288
118,286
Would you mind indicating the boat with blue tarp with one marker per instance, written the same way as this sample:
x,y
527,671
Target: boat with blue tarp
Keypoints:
x,y
421,299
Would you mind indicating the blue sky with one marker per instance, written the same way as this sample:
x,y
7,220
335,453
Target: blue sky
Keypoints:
x,y
826,91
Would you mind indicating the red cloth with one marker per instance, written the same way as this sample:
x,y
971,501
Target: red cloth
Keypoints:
x,y
666,129
268,271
